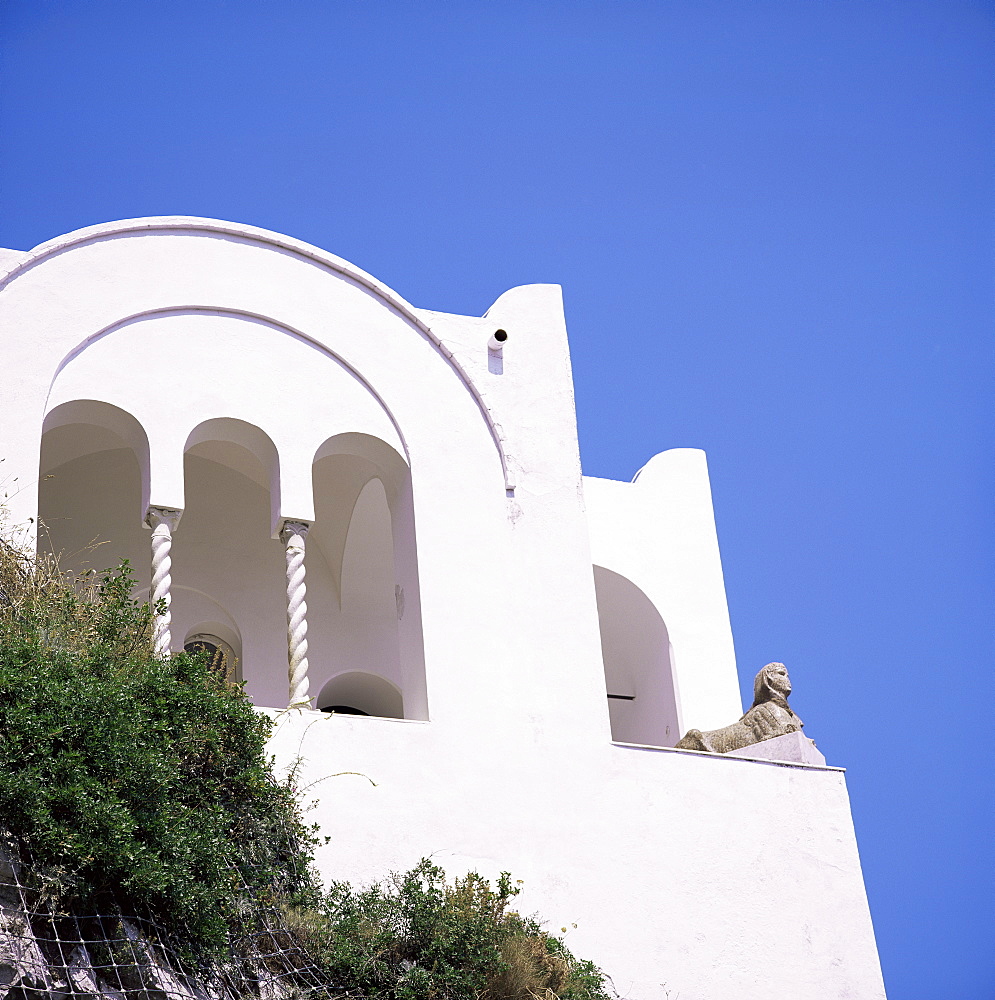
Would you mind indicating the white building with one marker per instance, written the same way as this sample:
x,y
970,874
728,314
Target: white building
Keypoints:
x,y
528,644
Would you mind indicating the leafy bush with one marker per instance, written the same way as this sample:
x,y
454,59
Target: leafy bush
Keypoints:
x,y
132,783
416,937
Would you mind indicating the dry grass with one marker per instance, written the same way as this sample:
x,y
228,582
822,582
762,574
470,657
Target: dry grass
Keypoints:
x,y
63,608
531,971
419,936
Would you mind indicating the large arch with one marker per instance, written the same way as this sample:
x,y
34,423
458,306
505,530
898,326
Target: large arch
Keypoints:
x,y
639,673
122,329
277,243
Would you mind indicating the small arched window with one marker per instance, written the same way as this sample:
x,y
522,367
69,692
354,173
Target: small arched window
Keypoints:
x,y
220,656
360,693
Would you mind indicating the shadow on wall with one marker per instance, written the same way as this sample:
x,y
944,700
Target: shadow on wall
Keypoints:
x,y
639,674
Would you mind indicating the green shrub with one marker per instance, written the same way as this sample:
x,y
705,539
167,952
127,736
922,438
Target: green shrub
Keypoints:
x,y
417,936
132,783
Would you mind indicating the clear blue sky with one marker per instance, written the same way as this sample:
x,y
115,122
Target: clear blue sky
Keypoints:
x,y
773,223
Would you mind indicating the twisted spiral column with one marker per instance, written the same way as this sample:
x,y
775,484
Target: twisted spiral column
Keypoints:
x,y
163,523
292,535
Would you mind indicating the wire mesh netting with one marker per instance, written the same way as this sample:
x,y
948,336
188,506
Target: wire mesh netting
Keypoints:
x,y
47,952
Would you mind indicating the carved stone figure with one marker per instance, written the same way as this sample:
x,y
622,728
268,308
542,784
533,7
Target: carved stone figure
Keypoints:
x,y
768,716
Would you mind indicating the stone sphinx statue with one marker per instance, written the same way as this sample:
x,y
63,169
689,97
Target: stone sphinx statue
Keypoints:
x,y
768,716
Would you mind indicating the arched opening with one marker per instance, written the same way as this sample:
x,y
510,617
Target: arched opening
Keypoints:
x,y
367,621
242,447
639,675
222,644
228,570
93,488
359,693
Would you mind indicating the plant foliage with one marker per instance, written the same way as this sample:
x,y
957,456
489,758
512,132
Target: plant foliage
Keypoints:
x,y
416,936
132,782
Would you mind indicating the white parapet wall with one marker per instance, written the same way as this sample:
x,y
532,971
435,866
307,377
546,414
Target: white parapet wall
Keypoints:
x,y
687,875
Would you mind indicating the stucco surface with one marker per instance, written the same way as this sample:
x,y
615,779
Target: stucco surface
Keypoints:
x,y
459,562
713,878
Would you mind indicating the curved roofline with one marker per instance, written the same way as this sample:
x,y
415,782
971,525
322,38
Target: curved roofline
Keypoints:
x,y
323,258
190,223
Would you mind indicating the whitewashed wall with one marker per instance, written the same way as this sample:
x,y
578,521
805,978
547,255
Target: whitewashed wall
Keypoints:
x,y
246,378
691,876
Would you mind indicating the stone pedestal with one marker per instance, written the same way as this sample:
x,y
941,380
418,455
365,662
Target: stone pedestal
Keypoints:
x,y
795,748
